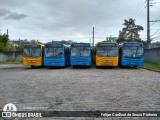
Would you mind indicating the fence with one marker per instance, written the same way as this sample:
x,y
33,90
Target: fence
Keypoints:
x,y
11,56
152,55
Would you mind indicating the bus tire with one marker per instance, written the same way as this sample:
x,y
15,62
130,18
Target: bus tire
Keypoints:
x,y
97,66
32,66
135,66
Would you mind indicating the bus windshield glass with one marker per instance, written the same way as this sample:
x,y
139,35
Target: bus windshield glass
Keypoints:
x,y
53,51
133,51
80,51
32,51
107,50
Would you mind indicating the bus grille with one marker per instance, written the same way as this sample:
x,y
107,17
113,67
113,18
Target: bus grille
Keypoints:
x,y
81,61
133,61
54,62
108,62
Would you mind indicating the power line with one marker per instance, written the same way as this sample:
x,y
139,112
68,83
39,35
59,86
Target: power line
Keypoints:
x,y
156,37
154,21
148,23
155,29
155,32
152,24
140,12
139,6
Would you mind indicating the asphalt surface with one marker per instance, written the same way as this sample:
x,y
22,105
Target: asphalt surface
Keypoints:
x,y
80,89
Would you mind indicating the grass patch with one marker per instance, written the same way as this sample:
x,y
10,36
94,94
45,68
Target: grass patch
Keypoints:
x,y
153,66
10,62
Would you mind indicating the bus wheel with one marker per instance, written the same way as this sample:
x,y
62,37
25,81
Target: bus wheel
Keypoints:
x,y
135,66
32,66
97,66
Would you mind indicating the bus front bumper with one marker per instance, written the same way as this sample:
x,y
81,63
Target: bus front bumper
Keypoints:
x,y
32,62
80,61
54,62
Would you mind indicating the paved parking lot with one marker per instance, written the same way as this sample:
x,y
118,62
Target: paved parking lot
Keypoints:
x,y
109,89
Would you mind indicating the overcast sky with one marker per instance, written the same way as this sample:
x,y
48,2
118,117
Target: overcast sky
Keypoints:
x,y
47,20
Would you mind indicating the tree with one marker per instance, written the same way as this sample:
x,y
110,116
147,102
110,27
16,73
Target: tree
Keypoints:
x,y
4,39
20,46
4,43
130,31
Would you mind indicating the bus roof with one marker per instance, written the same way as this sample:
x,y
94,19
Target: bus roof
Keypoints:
x,y
57,43
121,43
106,42
81,44
33,44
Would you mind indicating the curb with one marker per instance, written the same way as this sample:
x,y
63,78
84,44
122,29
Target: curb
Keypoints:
x,y
151,69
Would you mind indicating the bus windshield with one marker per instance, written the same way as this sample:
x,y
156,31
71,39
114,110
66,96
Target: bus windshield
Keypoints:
x,y
53,52
32,51
108,51
80,51
133,51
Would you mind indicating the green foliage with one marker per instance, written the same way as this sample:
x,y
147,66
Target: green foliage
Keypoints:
x,y
4,39
130,31
4,43
20,46
10,62
145,44
152,66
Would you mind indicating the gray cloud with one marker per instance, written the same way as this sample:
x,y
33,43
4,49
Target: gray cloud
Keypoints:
x,y
70,18
15,16
6,14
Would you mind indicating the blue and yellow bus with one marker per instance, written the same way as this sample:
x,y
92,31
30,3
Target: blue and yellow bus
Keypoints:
x,y
56,54
33,55
80,54
106,54
131,54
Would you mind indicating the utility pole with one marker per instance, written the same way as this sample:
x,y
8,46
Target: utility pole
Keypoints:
x,y
93,38
7,32
148,22
90,41
148,25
